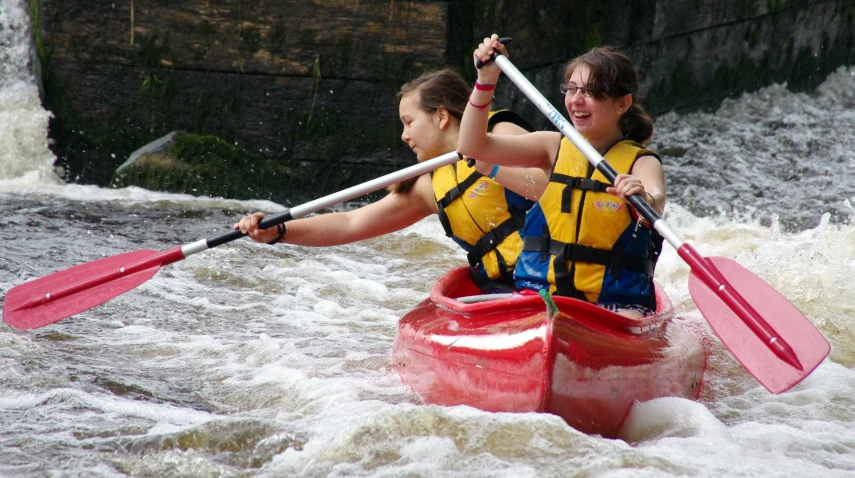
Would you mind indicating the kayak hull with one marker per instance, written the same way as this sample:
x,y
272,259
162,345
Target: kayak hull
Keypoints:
x,y
584,364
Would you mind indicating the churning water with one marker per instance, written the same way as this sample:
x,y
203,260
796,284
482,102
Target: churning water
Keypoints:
x,y
251,360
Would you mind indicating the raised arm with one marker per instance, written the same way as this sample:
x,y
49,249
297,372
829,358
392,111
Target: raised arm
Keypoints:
x,y
392,213
535,150
527,182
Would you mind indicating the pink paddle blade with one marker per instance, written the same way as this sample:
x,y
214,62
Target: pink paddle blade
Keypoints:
x,y
62,294
806,342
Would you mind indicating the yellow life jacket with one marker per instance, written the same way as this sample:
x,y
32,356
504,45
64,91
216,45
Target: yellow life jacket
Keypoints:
x,y
585,243
482,216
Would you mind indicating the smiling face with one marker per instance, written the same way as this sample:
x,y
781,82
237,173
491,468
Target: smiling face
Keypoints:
x,y
427,134
597,119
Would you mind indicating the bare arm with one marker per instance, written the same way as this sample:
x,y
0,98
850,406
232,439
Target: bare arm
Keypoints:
x,y
534,150
527,182
392,213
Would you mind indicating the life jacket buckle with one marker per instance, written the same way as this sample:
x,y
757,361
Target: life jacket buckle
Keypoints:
x,y
567,199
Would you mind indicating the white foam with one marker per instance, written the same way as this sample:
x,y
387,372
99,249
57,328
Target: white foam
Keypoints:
x,y
672,417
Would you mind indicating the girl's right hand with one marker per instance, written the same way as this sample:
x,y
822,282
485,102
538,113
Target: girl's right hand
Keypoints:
x,y
249,226
483,168
489,72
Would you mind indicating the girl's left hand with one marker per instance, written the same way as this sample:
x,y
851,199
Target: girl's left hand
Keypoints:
x,y
626,185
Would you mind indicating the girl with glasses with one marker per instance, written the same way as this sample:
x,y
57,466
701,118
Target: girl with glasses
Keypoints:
x,y
582,239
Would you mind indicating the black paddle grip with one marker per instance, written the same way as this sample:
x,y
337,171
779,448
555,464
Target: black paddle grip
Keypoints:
x,y
270,221
469,161
266,223
638,202
503,41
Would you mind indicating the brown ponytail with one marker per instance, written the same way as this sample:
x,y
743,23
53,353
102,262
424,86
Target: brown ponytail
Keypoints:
x,y
636,124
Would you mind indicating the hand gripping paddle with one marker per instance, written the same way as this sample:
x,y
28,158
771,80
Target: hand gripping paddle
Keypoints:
x,y
62,294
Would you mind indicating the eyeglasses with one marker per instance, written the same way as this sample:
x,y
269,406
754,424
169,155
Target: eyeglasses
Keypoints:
x,y
567,89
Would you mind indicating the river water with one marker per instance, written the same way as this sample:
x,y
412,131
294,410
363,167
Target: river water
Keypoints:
x,y
251,360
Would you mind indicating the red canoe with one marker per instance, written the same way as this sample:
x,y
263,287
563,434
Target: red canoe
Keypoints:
x,y
586,365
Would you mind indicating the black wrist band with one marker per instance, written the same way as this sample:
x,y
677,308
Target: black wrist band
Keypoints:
x,y
283,230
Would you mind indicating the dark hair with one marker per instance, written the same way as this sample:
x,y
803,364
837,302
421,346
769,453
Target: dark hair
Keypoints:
x,y
612,74
444,88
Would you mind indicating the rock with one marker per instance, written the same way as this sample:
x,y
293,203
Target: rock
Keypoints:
x,y
158,146
181,162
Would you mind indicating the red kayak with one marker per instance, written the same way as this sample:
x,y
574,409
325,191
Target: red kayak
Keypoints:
x,y
584,364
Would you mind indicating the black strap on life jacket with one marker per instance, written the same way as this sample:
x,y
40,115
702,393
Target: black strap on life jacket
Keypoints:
x,y
451,195
508,116
503,284
492,238
565,252
572,182
616,260
489,241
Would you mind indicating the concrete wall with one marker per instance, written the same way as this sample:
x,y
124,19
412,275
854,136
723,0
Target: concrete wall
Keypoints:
x,y
305,80
315,80
691,53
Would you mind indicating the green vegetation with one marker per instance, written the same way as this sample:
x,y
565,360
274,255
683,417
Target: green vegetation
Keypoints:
x,y
36,28
206,165
774,6
803,72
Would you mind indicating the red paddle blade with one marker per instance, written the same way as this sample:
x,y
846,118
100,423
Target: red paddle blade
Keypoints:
x,y
806,342
62,294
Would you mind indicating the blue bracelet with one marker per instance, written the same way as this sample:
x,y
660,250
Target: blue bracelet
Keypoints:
x,y
495,170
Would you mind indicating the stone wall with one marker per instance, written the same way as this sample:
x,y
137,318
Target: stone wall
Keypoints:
x,y
299,80
691,53
312,83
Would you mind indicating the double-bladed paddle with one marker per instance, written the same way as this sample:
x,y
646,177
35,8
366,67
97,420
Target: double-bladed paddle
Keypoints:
x,y
768,335
62,294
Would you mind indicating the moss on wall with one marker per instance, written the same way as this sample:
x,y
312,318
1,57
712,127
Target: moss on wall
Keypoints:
x,y
209,166
206,165
803,71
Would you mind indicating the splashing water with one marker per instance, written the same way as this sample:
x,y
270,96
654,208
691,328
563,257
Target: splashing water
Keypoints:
x,y
252,360
23,122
